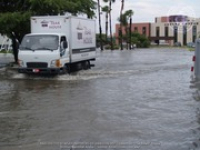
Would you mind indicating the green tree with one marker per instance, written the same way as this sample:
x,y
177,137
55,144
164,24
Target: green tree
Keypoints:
x,y
100,29
124,19
111,36
100,39
110,20
106,10
120,28
139,40
129,14
15,15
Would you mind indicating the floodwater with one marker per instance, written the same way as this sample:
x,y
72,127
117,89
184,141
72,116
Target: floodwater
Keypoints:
x,y
142,99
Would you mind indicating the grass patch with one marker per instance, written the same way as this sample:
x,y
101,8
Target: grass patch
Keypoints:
x,y
174,47
191,49
5,51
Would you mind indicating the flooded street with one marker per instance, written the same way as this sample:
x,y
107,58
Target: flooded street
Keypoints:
x,y
140,99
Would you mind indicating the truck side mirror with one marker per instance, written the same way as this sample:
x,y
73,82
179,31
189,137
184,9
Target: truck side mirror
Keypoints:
x,y
64,45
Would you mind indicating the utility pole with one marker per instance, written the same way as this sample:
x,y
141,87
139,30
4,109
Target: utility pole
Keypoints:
x,y
100,30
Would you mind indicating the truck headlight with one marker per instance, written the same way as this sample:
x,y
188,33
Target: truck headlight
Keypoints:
x,y
56,63
20,63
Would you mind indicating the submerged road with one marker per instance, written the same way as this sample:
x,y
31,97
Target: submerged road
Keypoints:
x,y
5,59
141,99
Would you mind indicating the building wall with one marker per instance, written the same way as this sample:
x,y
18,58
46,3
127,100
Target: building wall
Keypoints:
x,y
139,27
189,35
164,19
161,26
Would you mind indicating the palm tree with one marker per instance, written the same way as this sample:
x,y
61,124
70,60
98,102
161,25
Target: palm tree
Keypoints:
x,y
106,10
100,31
111,37
124,18
123,23
120,29
129,14
110,22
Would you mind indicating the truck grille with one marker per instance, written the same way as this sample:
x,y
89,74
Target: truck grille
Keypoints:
x,y
37,65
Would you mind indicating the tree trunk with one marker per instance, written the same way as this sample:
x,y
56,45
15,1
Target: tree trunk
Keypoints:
x,y
15,46
130,30
106,26
127,37
120,28
111,38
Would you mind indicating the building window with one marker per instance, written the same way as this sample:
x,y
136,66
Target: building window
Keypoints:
x,y
166,31
194,33
184,35
136,29
144,30
175,34
157,31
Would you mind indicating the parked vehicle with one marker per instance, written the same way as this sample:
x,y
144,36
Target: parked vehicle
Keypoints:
x,y
57,44
177,44
191,44
6,45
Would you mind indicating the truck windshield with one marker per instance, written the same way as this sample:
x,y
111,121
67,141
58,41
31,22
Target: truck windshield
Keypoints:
x,y
40,42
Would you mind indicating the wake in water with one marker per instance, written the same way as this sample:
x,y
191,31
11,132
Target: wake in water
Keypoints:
x,y
80,75
90,74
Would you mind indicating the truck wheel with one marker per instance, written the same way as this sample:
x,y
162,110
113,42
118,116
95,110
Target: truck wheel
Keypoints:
x,y
67,68
63,70
86,65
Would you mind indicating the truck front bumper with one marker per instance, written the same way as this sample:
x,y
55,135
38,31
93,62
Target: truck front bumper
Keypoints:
x,y
39,71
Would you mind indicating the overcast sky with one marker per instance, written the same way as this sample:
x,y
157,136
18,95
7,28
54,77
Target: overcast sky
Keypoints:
x,y
147,10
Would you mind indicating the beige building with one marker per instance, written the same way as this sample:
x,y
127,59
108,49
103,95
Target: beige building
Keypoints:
x,y
175,29
168,30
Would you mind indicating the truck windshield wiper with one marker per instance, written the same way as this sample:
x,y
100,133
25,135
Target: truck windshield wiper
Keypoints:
x,y
25,48
44,48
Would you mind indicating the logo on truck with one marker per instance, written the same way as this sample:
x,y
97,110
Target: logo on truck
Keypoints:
x,y
44,23
84,34
51,24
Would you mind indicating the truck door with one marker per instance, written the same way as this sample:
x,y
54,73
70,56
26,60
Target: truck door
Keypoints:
x,y
63,46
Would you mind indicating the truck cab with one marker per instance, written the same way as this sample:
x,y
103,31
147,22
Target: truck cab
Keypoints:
x,y
44,53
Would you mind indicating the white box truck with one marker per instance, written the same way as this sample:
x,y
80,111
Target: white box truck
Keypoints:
x,y
57,44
